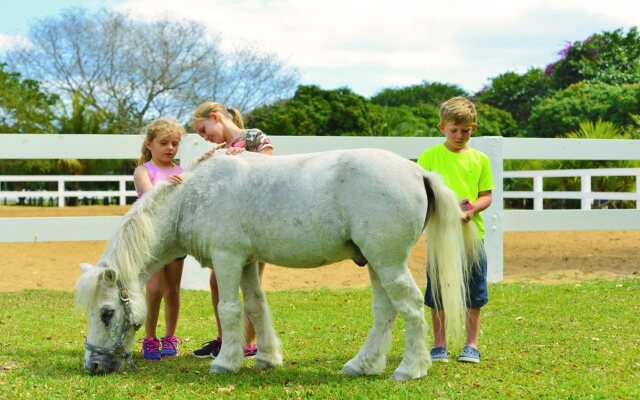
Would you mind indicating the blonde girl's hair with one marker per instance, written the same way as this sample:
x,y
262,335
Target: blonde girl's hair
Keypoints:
x,y
458,110
157,128
204,109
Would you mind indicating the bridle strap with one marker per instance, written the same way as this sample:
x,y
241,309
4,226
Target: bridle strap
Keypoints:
x,y
117,349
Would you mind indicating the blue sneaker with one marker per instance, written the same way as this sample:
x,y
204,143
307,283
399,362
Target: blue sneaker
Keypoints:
x,y
439,354
151,349
169,346
469,355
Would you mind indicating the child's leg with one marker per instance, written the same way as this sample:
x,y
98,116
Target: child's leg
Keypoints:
x,y
249,331
478,297
153,294
439,328
172,278
473,327
213,285
437,317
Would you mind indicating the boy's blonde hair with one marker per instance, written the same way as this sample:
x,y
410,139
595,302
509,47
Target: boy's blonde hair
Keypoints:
x,y
159,127
457,110
204,109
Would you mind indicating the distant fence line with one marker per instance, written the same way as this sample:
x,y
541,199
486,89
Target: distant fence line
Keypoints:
x,y
497,220
538,194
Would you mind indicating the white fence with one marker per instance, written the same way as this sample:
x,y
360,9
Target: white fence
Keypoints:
x,y
585,195
122,193
497,220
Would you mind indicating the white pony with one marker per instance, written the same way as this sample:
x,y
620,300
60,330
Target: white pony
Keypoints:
x,y
297,211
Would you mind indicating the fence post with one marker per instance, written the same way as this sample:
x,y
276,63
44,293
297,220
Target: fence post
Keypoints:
x,y
60,192
638,192
585,187
123,189
493,147
538,201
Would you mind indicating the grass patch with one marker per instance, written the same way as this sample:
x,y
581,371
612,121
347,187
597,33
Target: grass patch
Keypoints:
x,y
564,341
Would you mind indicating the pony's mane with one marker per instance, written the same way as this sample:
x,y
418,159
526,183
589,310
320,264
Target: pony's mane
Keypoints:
x,y
129,247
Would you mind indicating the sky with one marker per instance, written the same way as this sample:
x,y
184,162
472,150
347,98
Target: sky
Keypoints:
x,y
370,45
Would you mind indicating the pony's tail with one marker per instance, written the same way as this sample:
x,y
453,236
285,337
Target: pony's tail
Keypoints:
x,y
453,249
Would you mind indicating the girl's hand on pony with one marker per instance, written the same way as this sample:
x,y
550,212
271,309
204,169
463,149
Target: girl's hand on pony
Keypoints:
x,y
235,150
175,179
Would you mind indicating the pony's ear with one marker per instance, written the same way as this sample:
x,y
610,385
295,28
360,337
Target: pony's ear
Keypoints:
x,y
84,267
109,276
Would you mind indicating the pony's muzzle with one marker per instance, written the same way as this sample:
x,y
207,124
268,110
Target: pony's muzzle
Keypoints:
x,y
97,364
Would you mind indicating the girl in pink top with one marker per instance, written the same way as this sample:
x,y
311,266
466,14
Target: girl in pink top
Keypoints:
x,y
156,165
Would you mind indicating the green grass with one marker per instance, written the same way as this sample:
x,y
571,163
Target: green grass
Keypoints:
x,y
565,341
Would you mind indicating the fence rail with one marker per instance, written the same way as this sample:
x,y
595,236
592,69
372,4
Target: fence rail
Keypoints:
x,y
538,194
585,194
62,192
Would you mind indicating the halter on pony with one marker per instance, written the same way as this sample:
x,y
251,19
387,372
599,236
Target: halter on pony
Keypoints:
x,y
117,350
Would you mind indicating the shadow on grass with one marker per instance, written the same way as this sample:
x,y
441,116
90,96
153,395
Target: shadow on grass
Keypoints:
x,y
67,364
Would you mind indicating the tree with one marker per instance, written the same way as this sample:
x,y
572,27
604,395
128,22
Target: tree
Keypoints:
x,y
515,93
420,120
425,93
566,109
25,107
495,122
130,71
316,112
609,57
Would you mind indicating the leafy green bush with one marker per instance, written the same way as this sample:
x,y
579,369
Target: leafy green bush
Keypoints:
x,y
434,93
516,93
565,110
609,57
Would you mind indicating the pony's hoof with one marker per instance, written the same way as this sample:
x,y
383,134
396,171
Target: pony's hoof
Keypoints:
x,y
350,371
263,364
400,376
217,369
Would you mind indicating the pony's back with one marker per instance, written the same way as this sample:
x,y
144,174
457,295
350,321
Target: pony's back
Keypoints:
x,y
279,206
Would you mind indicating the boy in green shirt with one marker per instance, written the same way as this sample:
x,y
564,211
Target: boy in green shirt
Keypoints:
x,y
467,172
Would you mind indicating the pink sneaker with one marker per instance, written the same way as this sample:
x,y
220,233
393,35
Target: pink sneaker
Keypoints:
x,y
151,349
250,351
169,346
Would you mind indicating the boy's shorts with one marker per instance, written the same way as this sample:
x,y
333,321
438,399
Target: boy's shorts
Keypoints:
x,y
477,293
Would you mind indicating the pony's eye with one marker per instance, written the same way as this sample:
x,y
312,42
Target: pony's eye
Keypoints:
x,y
106,316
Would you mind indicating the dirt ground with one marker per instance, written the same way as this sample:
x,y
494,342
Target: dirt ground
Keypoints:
x,y
539,257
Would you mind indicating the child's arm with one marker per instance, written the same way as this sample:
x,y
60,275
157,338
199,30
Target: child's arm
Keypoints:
x,y
141,179
267,150
482,203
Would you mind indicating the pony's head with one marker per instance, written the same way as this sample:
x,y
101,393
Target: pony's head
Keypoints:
x,y
115,313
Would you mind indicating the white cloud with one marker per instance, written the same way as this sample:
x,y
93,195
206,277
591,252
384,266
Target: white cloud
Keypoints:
x,y
369,45
8,42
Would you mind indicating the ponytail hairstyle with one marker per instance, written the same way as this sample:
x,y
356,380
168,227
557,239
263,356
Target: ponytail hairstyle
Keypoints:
x,y
204,109
157,128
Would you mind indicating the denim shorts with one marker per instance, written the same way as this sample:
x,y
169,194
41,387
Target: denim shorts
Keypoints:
x,y
477,293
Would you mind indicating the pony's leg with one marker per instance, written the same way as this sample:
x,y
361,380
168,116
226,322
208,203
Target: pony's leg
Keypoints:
x,y
228,270
372,357
255,303
407,300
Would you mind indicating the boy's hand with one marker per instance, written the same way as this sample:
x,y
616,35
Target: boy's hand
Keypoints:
x,y
467,207
176,179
